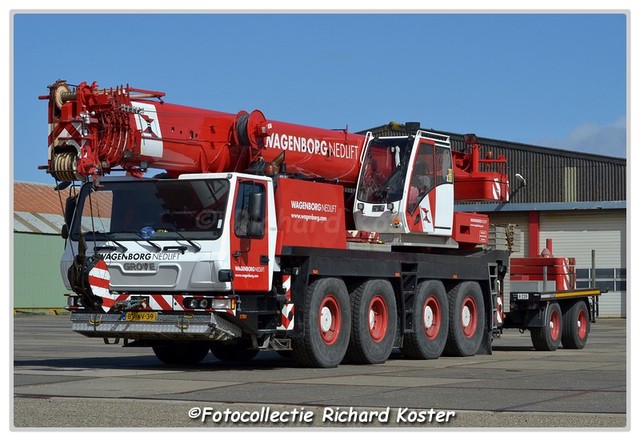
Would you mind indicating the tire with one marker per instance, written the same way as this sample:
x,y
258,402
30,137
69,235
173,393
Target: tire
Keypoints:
x,y
430,322
181,354
548,337
374,320
233,352
466,320
576,326
327,323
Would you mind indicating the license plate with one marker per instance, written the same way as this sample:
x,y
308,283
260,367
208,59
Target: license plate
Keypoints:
x,y
141,316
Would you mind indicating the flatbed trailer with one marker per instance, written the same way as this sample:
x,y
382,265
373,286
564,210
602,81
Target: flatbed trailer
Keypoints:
x,y
554,317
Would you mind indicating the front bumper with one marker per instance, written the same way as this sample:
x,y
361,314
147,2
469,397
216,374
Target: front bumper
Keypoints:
x,y
166,326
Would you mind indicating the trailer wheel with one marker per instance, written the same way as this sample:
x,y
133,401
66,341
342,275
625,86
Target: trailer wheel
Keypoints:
x,y
327,324
466,320
181,354
430,322
374,318
233,352
575,326
547,337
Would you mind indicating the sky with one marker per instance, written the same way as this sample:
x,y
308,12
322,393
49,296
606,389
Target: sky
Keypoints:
x,y
551,79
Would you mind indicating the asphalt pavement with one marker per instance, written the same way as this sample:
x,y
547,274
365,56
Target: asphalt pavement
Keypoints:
x,y
62,380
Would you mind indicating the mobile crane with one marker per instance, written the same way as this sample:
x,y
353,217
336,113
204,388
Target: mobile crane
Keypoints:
x,y
265,235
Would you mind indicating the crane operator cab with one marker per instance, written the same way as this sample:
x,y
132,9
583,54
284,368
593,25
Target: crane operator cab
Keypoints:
x,y
406,186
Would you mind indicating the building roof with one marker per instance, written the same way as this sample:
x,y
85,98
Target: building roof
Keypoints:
x,y
37,208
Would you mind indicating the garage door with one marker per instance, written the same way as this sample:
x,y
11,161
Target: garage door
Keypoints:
x,y
576,234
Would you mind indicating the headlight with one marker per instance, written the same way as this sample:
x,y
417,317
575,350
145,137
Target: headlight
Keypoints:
x,y
222,303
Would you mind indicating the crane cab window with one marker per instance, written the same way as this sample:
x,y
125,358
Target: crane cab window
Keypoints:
x,y
384,170
432,167
423,176
444,170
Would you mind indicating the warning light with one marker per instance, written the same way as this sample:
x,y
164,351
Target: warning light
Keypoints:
x,y
269,170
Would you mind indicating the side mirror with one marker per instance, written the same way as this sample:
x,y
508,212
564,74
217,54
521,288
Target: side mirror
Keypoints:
x,y
255,228
256,206
225,275
69,209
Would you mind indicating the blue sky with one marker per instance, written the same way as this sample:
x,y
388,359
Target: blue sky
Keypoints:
x,y
558,80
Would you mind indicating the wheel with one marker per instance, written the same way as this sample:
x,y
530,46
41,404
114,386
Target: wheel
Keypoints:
x,y
233,352
182,354
327,324
547,337
374,317
575,326
430,322
466,320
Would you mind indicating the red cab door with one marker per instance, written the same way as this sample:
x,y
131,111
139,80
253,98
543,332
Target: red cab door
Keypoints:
x,y
249,244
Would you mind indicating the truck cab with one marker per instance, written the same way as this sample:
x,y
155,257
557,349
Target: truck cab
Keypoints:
x,y
174,244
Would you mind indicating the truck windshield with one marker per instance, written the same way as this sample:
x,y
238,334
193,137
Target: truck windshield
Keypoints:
x,y
154,209
384,170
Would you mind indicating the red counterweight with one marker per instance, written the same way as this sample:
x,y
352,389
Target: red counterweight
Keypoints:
x,y
479,179
94,131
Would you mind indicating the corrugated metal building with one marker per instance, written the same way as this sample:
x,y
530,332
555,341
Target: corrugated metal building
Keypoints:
x,y
37,247
577,200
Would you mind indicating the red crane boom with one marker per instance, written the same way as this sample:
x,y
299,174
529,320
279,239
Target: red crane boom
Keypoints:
x,y
93,131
